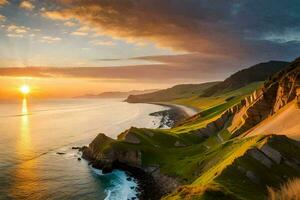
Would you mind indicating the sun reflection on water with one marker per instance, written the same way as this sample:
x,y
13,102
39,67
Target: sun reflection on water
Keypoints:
x,y
25,137
24,175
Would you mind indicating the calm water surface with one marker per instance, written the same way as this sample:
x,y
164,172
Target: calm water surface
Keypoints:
x,y
32,132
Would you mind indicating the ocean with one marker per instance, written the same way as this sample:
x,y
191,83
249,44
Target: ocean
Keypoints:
x,y
36,139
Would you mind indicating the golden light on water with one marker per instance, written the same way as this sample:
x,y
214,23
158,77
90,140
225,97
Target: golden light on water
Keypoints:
x,y
24,172
25,89
25,138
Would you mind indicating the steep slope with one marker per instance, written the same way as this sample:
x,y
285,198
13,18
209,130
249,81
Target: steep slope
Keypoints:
x,y
208,155
259,72
285,122
176,92
265,102
235,169
246,170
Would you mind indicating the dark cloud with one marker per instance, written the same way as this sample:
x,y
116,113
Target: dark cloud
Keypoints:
x,y
219,37
228,28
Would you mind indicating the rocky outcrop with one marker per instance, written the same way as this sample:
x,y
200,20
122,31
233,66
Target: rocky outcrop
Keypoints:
x,y
288,85
271,153
129,136
276,93
103,154
169,184
261,157
214,127
109,154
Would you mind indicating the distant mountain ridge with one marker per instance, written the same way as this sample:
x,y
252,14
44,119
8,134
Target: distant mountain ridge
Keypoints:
x,y
116,94
242,78
258,72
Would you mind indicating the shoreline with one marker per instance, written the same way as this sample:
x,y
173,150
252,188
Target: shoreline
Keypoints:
x,y
149,185
173,115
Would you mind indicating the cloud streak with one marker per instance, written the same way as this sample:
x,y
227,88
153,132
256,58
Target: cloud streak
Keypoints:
x,y
226,28
173,69
3,2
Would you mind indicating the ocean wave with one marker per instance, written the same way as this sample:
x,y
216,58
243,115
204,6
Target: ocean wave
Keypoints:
x,y
118,185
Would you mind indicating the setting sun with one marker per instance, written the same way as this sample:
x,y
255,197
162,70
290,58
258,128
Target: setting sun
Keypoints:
x,y
25,89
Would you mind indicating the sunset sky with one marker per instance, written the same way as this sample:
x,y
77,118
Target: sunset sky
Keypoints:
x,y
65,48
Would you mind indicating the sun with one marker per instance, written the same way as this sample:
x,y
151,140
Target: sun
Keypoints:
x,y
25,89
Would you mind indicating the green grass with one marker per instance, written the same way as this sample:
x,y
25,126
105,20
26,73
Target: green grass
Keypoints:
x,y
226,165
205,103
157,145
210,168
212,107
214,172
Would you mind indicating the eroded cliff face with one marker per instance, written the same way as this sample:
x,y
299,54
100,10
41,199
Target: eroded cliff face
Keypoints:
x,y
275,94
288,86
125,153
103,153
128,151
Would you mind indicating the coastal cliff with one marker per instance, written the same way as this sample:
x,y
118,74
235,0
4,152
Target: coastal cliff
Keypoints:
x,y
207,155
126,153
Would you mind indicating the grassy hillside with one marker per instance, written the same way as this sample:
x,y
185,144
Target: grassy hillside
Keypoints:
x,y
232,169
214,105
201,153
208,95
259,72
237,172
170,94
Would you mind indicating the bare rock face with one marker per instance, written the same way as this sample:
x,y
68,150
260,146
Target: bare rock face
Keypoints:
x,y
271,153
103,152
288,86
129,136
214,127
276,93
259,156
169,184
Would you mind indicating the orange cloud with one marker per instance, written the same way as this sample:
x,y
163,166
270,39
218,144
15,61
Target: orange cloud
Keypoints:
x,y
226,28
27,5
138,22
3,2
